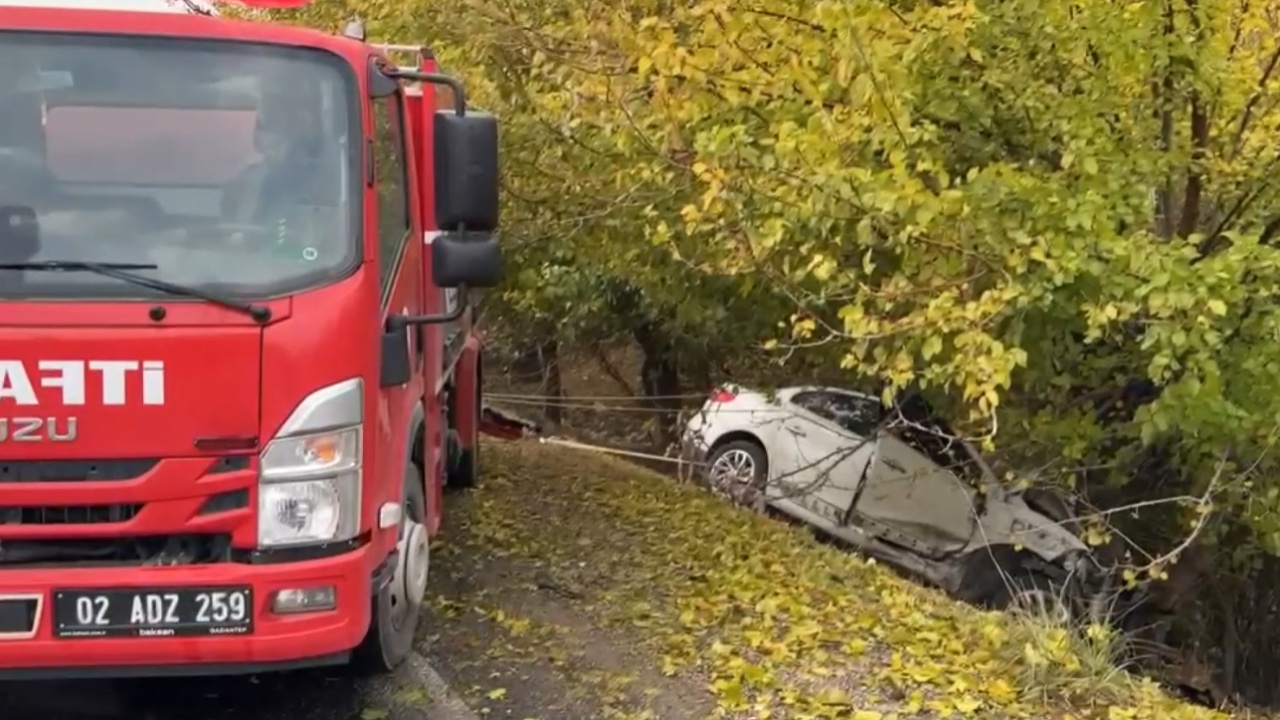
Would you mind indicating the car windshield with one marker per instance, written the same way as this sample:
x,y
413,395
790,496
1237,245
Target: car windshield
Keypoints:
x,y
228,166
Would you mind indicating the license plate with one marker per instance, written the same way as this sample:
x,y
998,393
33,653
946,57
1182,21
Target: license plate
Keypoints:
x,y
169,612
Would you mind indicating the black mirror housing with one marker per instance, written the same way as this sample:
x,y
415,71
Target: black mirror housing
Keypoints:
x,y
470,259
397,366
466,171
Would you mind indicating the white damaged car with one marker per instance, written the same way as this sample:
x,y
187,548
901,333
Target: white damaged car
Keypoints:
x,y
898,485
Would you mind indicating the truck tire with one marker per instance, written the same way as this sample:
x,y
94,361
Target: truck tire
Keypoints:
x,y
465,473
396,607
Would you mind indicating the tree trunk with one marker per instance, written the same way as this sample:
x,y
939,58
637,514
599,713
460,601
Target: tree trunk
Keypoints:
x,y
660,380
552,386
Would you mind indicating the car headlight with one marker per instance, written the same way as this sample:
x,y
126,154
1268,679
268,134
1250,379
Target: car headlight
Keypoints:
x,y
309,489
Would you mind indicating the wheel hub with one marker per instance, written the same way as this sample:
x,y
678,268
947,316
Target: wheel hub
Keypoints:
x,y
410,582
734,468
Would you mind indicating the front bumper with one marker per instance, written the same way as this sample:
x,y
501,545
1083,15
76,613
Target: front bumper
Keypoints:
x,y
277,642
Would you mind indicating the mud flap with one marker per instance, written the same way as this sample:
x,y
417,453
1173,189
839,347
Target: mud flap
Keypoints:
x,y
452,450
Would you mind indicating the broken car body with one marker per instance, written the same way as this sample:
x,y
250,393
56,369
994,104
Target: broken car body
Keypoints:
x,y
895,484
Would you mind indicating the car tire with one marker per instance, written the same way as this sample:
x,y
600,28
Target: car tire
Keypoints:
x,y
397,606
738,470
1028,592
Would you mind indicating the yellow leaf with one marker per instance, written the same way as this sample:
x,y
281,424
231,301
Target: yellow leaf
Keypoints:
x,y
731,693
931,347
411,696
834,696
967,704
669,666
497,693
804,328
1096,535
1002,691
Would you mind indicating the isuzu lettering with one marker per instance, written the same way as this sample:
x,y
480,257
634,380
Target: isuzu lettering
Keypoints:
x,y
237,354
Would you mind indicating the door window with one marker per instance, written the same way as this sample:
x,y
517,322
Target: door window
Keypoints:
x,y
853,413
390,172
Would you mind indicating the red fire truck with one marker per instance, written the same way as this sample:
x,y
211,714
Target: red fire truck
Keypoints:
x,y
237,361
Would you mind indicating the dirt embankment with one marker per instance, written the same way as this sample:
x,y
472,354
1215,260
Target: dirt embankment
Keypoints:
x,y
574,586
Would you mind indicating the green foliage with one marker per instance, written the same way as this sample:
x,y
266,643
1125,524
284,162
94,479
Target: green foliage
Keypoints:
x,y
1037,208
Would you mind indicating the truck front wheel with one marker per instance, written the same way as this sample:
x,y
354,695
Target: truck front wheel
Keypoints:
x,y
397,606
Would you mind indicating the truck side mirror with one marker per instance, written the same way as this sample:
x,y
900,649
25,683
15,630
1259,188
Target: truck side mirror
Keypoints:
x,y
466,185
474,260
466,171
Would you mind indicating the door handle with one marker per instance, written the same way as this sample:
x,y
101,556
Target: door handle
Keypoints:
x,y
796,431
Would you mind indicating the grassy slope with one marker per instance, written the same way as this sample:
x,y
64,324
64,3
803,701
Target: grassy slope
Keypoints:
x,y
778,624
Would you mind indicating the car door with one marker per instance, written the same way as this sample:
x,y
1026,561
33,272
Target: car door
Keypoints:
x,y
920,484
828,438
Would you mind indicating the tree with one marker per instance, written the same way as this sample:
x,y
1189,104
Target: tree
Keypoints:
x,y
1009,197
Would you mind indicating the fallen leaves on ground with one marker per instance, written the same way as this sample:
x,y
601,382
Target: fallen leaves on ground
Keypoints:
x,y
778,624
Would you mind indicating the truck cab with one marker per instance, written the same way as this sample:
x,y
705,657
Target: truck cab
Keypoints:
x,y
238,358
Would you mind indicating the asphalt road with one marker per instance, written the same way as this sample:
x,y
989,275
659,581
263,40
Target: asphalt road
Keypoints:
x,y
414,692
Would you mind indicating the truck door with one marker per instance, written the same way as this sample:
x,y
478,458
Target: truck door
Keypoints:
x,y
400,271
449,337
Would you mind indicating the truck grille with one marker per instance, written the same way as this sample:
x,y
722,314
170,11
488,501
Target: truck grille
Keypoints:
x,y
115,552
132,550
35,471
69,514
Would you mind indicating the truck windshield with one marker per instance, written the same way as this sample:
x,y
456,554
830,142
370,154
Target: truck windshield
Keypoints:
x,y
228,166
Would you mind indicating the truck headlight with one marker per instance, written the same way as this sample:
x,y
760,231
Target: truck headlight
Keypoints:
x,y
309,489
308,456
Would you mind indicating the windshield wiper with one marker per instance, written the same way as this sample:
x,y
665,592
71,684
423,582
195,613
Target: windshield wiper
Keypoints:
x,y
122,271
